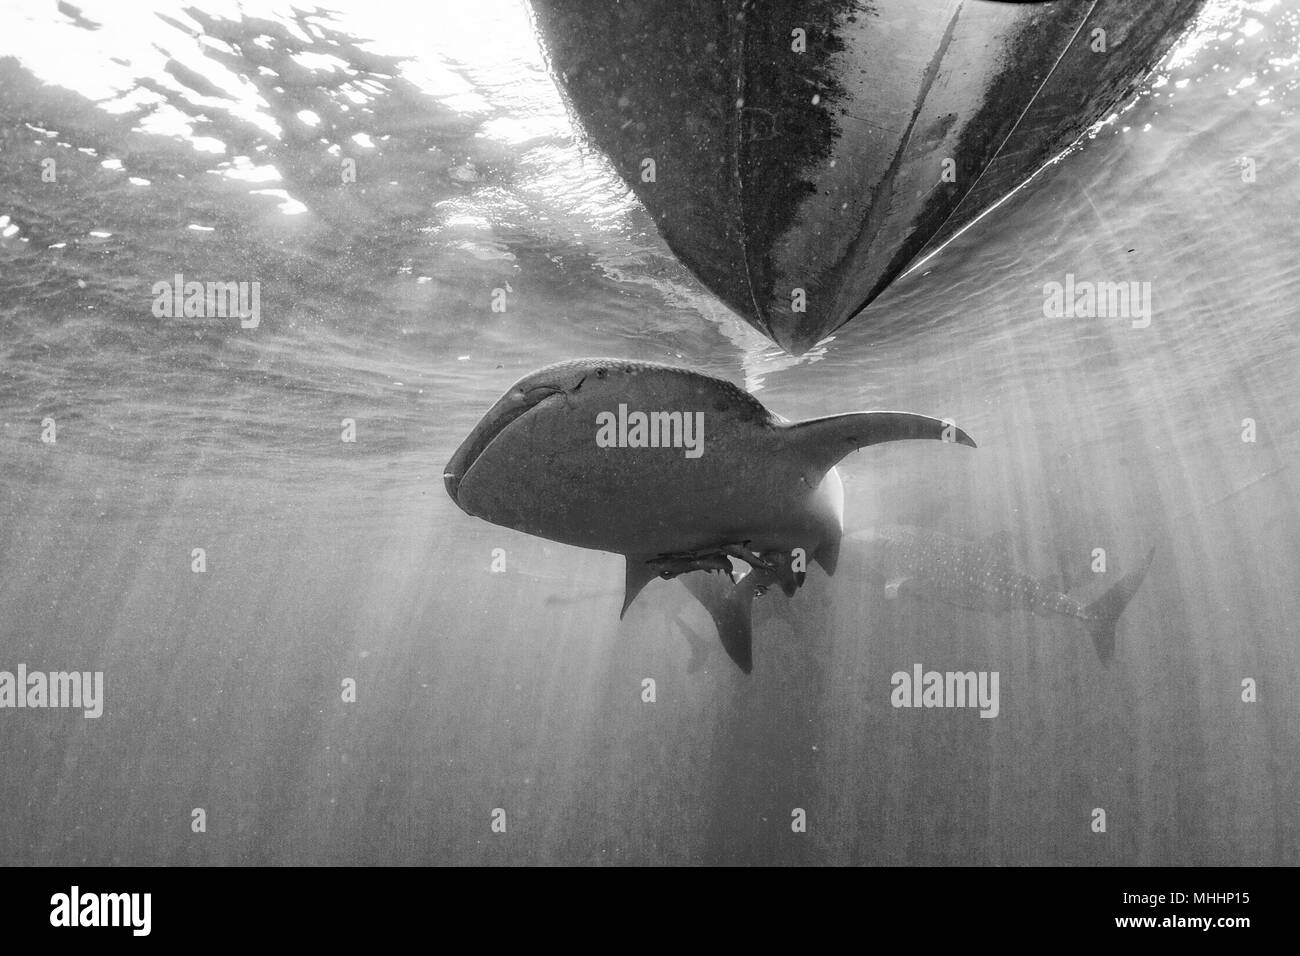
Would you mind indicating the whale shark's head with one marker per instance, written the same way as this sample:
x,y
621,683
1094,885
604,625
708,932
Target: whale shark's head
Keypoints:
x,y
567,396
550,383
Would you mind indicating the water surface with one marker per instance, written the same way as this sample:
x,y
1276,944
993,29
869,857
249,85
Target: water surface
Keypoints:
x,y
211,140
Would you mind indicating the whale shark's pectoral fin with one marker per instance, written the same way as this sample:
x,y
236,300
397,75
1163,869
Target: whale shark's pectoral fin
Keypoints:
x,y
824,441
639,574
731,607
735,622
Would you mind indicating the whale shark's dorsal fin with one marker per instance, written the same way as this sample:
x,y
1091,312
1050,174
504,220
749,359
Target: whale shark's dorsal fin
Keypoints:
x,y
822,442
638,575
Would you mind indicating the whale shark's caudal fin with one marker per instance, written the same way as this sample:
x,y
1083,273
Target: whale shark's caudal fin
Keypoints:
x,y
1102,615
822,442
638,575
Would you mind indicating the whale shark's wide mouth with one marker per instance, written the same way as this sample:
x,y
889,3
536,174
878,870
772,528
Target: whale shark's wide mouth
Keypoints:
x,y
512,406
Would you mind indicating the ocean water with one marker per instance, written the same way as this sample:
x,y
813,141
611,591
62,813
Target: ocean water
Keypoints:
x,y
213,141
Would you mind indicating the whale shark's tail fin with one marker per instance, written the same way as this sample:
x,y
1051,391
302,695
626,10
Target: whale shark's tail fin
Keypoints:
x,y
1102,615
824,441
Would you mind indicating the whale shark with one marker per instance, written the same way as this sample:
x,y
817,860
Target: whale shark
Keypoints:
x,y
980,575
596,453
928,565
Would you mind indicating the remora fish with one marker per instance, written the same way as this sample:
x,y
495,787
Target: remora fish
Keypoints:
x,y
979,575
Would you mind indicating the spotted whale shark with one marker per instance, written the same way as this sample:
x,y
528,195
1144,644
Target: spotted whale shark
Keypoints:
x,y
595,453
933,565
